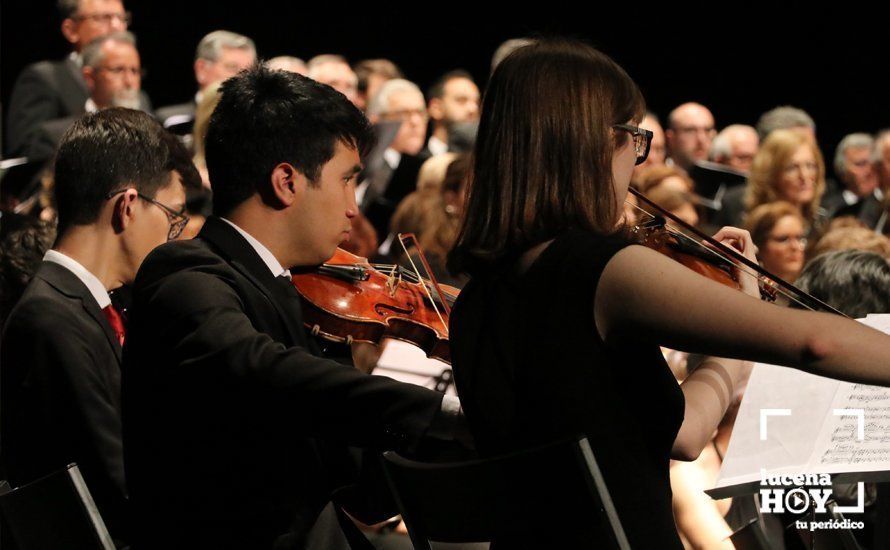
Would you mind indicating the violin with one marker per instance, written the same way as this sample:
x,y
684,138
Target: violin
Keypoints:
x,y
347,299
717,261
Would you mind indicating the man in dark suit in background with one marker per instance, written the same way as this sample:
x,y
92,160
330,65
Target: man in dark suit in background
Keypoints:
x,y
118,192
49,90
113,73
393,175
224,391
220,55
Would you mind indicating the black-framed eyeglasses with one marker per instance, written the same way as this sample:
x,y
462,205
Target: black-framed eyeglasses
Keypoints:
x,y
178,220
642,140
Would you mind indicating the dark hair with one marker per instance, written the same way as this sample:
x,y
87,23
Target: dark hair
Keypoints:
x,y
23,242
543,156
68,8
364,69
853,281
268,117
437,90
103,151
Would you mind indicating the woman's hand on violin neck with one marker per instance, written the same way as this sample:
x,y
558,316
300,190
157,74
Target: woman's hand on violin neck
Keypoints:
x,y
740,239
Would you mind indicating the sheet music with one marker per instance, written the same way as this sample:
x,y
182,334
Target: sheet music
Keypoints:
x,y
812,439
408,363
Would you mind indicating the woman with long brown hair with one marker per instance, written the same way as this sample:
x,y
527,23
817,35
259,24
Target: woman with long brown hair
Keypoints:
x,y
558,331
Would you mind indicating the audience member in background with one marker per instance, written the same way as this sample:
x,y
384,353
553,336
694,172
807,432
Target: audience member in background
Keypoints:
x,y
371,74
856,282
735,147
112,71
334,71
785,117
853,236
780,233
689,134
855,169
49,90
656,145
452,100
288,63
882,160
788,167
199,198
398,101
220,55
23,242
204,109
433,215
506,48
670,188
432,172
119,195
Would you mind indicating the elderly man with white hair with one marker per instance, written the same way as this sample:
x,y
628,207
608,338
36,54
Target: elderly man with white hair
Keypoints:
x,y
399,113
735,147
220,55
334,70
854,168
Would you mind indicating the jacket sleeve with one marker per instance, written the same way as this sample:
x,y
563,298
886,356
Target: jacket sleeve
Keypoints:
x,y
207,330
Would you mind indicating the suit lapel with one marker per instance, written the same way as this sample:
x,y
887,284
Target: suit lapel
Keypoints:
x,y
68,284
73,87
245,259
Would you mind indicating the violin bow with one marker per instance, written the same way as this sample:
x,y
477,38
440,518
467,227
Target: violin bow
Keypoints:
x,y
787,289
402,237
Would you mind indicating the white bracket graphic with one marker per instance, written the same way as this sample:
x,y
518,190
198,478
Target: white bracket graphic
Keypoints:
x,y
764,413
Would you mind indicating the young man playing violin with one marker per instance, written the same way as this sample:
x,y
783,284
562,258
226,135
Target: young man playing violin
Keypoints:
x,y
228,406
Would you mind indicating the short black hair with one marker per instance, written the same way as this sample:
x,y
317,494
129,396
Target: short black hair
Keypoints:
x,y
855,282
267,117
437,90
102,152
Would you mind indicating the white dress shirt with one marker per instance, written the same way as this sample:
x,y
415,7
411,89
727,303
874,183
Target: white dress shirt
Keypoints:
x,y
93,284
268,258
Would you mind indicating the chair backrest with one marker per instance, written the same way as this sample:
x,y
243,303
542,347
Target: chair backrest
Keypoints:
x,y
54,512
481,500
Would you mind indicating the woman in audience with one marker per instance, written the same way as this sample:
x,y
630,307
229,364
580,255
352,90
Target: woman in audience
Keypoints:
x,y
779,231
557,332
670,188
789,167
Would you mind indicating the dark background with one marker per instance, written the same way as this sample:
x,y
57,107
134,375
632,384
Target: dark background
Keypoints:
x,y
737,58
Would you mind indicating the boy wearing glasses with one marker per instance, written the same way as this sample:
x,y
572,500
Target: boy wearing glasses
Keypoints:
x,y
119,193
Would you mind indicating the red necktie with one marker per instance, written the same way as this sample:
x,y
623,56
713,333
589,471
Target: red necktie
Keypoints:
x,y
116,322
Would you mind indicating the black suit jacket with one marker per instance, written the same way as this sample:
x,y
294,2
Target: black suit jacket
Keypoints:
x,y
43,91
222,398
60,391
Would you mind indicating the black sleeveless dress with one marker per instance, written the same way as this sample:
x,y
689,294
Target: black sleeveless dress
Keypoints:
x,y
530,368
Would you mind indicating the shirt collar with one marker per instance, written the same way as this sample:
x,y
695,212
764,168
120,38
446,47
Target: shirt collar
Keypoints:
x,y
268,258
392,157
93,284
437,146
90,106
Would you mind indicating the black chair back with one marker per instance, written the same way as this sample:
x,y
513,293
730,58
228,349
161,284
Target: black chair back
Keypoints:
x,y
55,512
505,497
